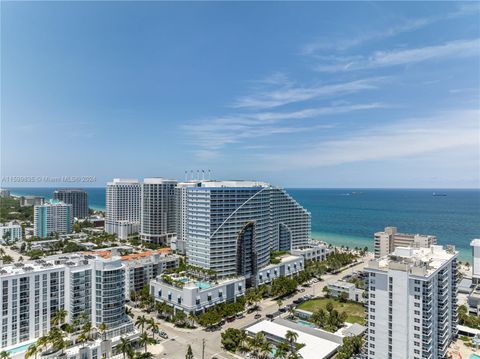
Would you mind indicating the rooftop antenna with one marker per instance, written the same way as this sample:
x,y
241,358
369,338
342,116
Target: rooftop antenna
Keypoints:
x,y
191,175
186,176
209,175
203,175
198,174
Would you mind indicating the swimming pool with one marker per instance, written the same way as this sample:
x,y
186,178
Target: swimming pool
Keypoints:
x,y
306,323
20,349
202,285
474,356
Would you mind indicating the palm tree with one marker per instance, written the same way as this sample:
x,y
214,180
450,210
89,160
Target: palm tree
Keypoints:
x,y
291,338
102,328
129,312
59,317
5,355
86,330
291,312
153,326
141,321
144,340
124,347
282,351
32,351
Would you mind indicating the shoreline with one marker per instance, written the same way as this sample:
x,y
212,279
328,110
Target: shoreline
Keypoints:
x,y
335,239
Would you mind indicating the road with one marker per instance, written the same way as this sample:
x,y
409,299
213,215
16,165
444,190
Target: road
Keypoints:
x,y
176,346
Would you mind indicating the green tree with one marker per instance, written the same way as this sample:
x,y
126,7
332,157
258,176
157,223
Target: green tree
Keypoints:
x,y
291,338
59,317
102,328
32,350
124,347
141,322
4,355
144,340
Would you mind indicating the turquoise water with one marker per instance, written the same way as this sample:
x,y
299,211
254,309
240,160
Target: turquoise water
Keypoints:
x,y
202,285
474,356
351,220
305,323
19,349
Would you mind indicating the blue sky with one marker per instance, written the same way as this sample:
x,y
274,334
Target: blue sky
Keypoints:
x,y
299,94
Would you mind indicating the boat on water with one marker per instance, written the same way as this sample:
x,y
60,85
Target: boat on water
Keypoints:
x,y
434,194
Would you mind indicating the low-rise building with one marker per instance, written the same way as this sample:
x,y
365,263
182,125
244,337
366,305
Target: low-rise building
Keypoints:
x,y
289,265
317,343
314,251
196,295
4,193
10,233
352,292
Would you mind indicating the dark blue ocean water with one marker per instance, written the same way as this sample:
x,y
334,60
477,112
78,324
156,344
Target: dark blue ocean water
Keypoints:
x,y
352,219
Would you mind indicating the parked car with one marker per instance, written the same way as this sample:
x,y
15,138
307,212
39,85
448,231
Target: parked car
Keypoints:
x,y
240,315
270,316
257,316
283,309
163,335
231,318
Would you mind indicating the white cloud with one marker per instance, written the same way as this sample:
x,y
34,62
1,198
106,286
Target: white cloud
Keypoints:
x,y
211,135
453,49
404,139
407,25
289,93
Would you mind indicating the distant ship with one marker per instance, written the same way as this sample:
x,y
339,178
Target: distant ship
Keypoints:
x,y
434,194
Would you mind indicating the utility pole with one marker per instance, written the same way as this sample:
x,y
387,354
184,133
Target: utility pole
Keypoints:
x,y
203,348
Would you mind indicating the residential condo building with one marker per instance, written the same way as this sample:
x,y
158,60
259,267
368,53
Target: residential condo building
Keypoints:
x,y
32,292
78,198
10,232
411,303
389,239
232,226
122,216
52,217
179,243
157,212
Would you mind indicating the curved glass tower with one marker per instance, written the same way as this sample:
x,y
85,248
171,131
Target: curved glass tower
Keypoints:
x,y
233,225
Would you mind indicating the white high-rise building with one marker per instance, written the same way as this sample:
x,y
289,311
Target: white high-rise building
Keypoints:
x,y
181,214
157,212
232,226
411,303
122,207
52,217
33,291
389,239
475,244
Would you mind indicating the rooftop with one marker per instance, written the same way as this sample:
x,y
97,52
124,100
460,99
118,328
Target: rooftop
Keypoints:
x,y
317,346
475,243
52,262
233,183
418,261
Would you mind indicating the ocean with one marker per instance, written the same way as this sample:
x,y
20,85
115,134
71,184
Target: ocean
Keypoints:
x,y
350,216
